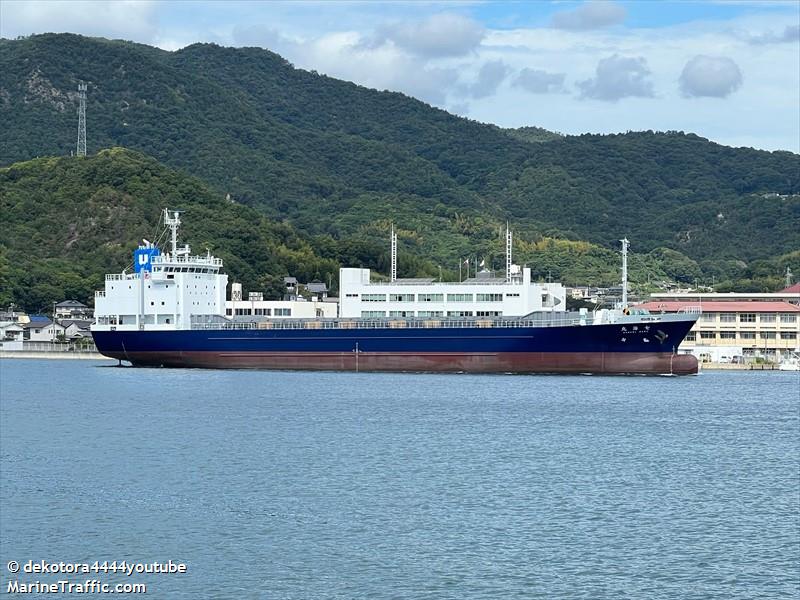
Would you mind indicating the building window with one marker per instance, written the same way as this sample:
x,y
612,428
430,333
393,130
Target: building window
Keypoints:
x,y
351,295
690,337
373,297
430,313
747,335
488,313
515,295
229,311
727,335
788,335
401,313
727,317
371,314
489,297
459,297
430,298
747,318
767,317
788,318
767,335
401,297
459,313
708,317
708,335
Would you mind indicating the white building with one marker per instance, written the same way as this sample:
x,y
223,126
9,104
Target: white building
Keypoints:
x,y
482,296
256,306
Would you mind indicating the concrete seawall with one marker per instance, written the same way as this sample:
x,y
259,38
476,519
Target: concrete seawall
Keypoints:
x,y
53,355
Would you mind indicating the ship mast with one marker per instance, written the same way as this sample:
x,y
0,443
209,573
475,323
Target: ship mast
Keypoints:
x,y
393,255
625,244
509,240
173,223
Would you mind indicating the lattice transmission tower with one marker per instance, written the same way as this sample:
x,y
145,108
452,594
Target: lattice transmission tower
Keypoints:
x,y
81,151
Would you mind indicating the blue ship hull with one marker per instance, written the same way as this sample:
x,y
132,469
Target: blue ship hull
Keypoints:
x,y
619,348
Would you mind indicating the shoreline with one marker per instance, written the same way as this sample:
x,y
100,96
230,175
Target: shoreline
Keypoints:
x,y
53,355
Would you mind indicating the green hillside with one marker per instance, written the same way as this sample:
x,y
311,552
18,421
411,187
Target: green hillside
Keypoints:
x,y
68,221
339,162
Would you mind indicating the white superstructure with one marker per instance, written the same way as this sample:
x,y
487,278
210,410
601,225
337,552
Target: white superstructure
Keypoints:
x,y
165,291
482,296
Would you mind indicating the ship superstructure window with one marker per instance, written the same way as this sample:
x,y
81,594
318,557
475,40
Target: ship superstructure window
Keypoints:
x,y
489,313
788,318
401,313
489,297
373,297
430,313
459,297
401,297
514,295
370,314
430,297
747,318
459,313
727,317
351,295
283,312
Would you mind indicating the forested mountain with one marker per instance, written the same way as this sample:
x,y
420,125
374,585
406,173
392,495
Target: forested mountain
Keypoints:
x,y
339,162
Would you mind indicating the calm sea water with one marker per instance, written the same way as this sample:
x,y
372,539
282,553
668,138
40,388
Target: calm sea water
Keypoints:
x,y
341,485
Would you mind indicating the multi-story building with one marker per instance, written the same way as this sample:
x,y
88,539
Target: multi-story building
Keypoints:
x,y
255,307
730,325
480,296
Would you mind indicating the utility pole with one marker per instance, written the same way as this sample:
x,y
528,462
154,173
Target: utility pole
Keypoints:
x,y
81,150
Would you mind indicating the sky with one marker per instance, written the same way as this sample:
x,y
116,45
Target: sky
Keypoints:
x,y
728,70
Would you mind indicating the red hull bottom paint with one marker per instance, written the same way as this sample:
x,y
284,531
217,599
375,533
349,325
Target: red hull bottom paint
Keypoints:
x,y
644,363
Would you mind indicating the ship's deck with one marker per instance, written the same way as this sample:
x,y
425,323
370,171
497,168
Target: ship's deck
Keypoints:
x,y
561,319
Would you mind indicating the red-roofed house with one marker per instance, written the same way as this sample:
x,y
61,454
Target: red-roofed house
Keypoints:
x,y
792,289
732,325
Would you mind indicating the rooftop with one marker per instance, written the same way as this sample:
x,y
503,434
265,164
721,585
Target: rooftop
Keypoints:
x,y
657,306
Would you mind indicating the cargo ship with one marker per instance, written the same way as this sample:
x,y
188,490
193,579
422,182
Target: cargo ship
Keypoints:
x,y
171,310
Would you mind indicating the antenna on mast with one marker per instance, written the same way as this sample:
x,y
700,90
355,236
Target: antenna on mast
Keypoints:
x,y
625,244
394,254
173,223
509,243
81,149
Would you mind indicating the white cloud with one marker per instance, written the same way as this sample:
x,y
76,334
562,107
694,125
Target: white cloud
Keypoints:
x,y
618,77
790,34
345,56
540,82
439,35
715,76
126,19
490,76
590,15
